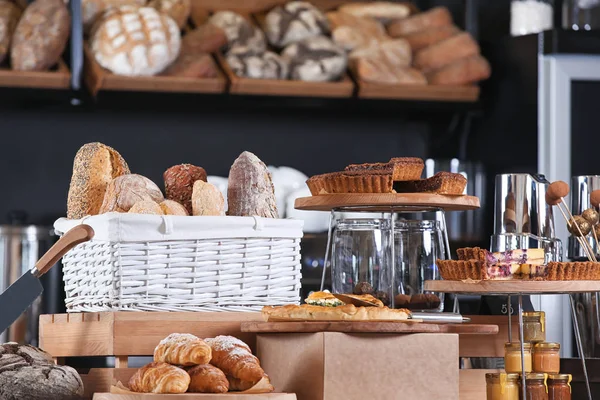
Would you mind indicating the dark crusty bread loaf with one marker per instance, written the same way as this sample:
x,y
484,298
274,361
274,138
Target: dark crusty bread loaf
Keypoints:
x,y
179,183
251,192
41,36
95,166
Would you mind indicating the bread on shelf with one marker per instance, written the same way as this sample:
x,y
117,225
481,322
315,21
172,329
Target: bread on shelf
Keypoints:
x,y
293,22
126,190
207,378
159,378
9,17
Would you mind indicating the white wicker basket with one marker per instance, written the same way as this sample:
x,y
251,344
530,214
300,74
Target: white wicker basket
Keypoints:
x,y
173,263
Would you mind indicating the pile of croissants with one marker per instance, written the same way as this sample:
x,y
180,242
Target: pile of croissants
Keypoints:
x,y
185,363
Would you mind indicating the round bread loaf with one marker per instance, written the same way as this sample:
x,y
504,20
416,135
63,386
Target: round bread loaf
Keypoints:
x,y
136,41
9,17
316,59
239,32
179,10
179,183
92,10
262,66
41,36
170,207
124,192
146,207
293,22
207,200
27,372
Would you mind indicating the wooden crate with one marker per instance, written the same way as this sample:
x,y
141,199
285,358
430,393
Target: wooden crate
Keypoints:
x,y
59,78
98,79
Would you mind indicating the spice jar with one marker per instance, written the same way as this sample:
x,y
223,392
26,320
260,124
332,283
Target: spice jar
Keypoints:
x,y
536,385
512,357
559,387
546,358
502,386
534,326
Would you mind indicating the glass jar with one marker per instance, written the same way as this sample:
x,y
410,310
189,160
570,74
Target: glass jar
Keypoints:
x,y
534,326
530,16
502,386
512,357
536,386
546,358
559,387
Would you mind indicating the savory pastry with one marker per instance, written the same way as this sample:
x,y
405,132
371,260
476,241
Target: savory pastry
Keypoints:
x,y
41,36
95,166
146,207
126,190
425,38
446,52
369,298
207,200
9,17
316,59
347,312
433,18
441,183
183,349
136,41
462,72
251,192
207,379
179,10
179,183
159,377
267,65
324,299
293,22
193,66
235,359
384,11
170,207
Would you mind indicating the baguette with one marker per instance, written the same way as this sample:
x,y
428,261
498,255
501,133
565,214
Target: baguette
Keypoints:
x,y
446,52
462,72
436,17
422,39
383,11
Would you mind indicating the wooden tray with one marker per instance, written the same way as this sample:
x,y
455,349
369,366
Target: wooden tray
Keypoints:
x,y
54,79
467,94
98,79
195,396
512,287
384,201
366,327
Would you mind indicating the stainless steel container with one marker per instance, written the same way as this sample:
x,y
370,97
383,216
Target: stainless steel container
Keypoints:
x,y
20,248
581,188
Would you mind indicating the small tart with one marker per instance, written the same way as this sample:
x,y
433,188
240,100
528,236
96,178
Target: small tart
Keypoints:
x,y
401,168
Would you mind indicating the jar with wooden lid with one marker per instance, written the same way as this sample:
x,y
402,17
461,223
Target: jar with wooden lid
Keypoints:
x,y
559,387
546,358
502,386
534,326
512,357
537,387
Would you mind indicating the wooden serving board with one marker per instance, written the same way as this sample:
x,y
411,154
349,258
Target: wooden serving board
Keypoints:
x,y
366,327
383,202
512,287
194,396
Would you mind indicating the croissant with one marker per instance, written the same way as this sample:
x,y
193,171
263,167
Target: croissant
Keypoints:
x,y
235,359
159,377
238,385
182,349
207,379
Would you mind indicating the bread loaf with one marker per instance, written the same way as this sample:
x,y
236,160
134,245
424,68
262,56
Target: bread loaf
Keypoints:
x,y
422,39
170,207
294,22
9,17
207,38
239,31
250,191
316,59
446,52
395,52
207,200
136,41
379,70
179,183
29,373
434,18
351,32
92,10
146,207
193,66
462,72
126,190
40,36
95,166
267,65
179,10
384,11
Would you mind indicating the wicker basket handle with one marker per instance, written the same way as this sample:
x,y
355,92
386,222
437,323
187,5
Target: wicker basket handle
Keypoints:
x,y
75,236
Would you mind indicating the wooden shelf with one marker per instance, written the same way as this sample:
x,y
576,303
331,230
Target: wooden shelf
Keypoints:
x,y
195,396
60,78
440,93
512,287
382,202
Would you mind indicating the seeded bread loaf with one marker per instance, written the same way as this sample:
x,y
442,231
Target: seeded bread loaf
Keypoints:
x,y
95,166
41,36
9,17
179,183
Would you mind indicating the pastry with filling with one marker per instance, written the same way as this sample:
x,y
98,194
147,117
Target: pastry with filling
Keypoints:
x,y
323,299
347,312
